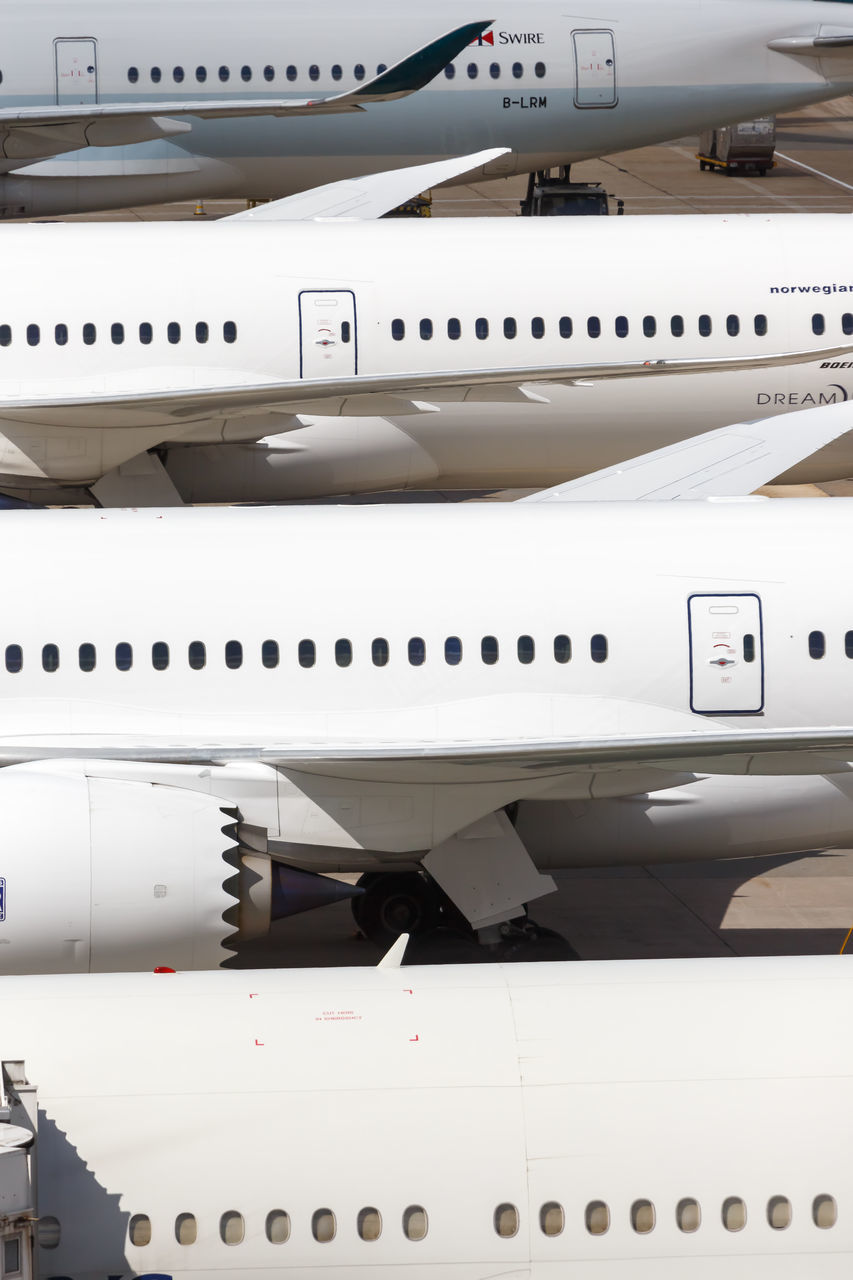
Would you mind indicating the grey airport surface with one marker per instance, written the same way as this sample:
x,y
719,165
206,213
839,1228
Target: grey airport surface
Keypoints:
x,y
788,905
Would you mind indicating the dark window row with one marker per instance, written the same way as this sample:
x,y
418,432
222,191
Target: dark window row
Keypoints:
x,y
817,644
291,73
145,332
648,326
380,653
642,1216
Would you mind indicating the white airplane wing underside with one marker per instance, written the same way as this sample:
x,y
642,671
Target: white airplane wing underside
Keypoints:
x,y
729,462
29,133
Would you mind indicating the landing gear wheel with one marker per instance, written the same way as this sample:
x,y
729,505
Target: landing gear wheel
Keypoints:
x,y
395,903
526,941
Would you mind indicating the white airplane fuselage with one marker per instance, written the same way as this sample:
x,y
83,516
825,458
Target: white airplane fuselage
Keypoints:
x,y
541,83
633,1119
171,310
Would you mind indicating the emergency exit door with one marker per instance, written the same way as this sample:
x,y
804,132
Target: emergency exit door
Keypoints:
x,y
327,336
726,654
76,72
595,69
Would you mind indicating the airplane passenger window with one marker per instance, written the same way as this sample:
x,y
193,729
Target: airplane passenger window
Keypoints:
x,y
593,327
817,644
517,70
269,653
201,74
11,1244
565,327
277,1226
473,70
379,652
426,330
117,334
369,1224
307,653
201,331
124,655
178,75
173,332
734,1214
33,335
90,333
417,651
818,323
398,330
494,70
526,649
229,331
291,73
688,1215
704,326
159,655
537,327
539,70
345,331
450,71
415,1222
313,72
146,333
133,74
848,644
233,654
454,329
186,1228
224,74
14,658
343,653
733,326
824,1212
847,323
481,327
621,326
597,1218
779,1212
598,648
552,1219
562,649
760,323
650,326
50,657
336,72
5,335
676,326
323,1225
510,327
139,1230
246,74
749,648
48,1231
506,1221
643,1216
269,73
156,74
358,71
489,650
86,657
196,654
453,651
60,335
231,1227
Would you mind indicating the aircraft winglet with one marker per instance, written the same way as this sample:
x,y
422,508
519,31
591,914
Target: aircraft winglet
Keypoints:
x,y
367,197
729,462
393,957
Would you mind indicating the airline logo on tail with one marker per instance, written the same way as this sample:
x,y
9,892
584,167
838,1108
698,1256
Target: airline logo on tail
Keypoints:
x,y
487,37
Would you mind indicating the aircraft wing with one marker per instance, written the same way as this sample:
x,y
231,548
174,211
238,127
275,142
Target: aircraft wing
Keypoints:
x,y
728,462
28,133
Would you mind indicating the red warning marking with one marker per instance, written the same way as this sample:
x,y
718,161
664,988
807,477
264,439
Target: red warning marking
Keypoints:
x,y
408,991
260,1042
412,1039
252,994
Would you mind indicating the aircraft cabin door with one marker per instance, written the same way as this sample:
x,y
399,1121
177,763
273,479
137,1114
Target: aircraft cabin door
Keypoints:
x,y
327,334
76,72
595,69
726,654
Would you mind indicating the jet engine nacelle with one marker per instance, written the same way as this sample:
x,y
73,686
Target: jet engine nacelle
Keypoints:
x,y
99,873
